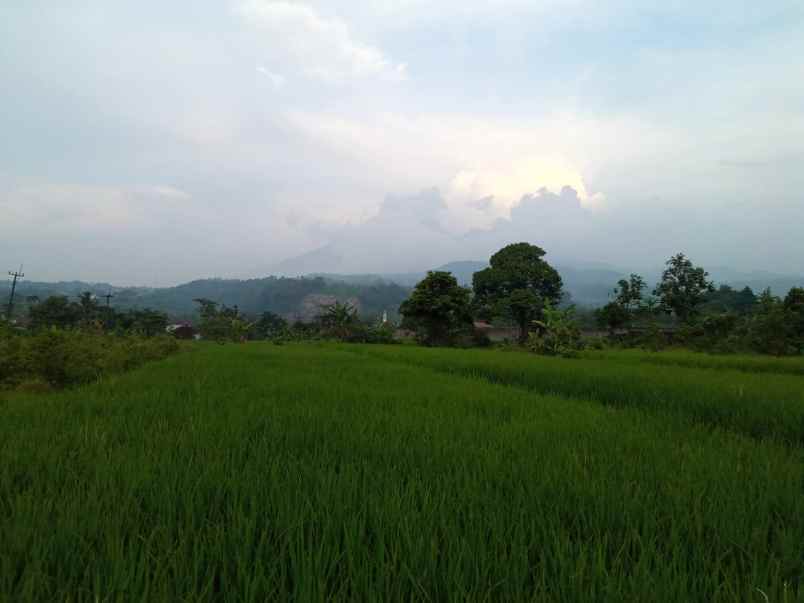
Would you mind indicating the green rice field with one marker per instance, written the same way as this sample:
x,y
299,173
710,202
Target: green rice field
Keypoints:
x,y
324,472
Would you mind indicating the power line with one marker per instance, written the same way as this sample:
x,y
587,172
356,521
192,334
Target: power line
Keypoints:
x,y
17,274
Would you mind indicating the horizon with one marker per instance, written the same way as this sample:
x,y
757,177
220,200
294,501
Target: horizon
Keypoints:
x,y
721,275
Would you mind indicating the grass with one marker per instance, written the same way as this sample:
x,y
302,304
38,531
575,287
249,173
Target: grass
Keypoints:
x,y
757,404
319,472
752,363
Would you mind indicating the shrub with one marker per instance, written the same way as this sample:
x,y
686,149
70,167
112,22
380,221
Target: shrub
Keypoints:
x,y
558,335
60,358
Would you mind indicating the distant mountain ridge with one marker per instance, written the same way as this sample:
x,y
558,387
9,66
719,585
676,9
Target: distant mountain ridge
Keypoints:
x,y
589,285
284,296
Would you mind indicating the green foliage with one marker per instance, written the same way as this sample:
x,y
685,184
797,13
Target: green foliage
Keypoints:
x,y
794,305
59,312
339,321
627,305
438,310
612,316
56,311
718,333
557,335
772,328
726,300
221,323
259,473
270,326
628,293
60,357
683,288
517,285
147,323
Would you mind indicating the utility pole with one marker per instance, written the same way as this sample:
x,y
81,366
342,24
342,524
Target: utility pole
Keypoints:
x,y
108,296
17,275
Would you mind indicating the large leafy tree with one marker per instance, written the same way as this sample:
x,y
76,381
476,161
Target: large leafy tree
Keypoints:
x,y
683,287
517,285
438,310
271,325
627,302
55,311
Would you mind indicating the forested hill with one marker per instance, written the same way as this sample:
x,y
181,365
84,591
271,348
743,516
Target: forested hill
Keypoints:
x,y
372,293
290,297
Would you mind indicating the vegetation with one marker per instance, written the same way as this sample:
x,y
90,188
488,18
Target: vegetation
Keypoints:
x,y
683,288
558,334
754,403
438,311
517,285
626,306
58,311
56,357
313,472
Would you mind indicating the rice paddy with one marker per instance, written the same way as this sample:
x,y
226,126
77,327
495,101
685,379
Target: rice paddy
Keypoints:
x,y
316,472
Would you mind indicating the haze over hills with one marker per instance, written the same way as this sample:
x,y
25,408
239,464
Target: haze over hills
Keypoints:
x,y
589,285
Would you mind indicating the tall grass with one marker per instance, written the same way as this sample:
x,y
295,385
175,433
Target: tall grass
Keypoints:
x,y
310,473
685,358
762,405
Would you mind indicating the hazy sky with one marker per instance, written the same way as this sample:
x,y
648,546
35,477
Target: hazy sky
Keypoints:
x,y
154,142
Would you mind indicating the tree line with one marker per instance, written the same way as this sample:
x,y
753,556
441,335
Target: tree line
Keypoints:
x,y
88,313
520,288
338,321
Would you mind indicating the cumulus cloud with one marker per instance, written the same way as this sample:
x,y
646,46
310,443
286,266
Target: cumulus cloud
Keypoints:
x,y
478,196
411,232
321,47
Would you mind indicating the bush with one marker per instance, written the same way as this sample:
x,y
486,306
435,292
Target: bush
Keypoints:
x,y
597,343
559,334
60,358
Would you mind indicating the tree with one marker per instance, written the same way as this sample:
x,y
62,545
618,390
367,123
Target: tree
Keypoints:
x,y
438,310
219,324
772,327
612,316
55,311
627,302
794,304
517,285
339,320
271,325
725,299
148,323
628,293
559,335
683,287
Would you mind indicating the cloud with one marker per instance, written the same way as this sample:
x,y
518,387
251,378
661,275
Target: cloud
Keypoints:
x,y
411,232
478,196
67,207
483,167
321,47
277,80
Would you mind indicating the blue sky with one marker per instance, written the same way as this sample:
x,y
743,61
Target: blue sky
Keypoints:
x,y
223,137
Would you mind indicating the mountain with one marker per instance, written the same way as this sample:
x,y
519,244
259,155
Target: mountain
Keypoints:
x,y
462,271
288,297
589,285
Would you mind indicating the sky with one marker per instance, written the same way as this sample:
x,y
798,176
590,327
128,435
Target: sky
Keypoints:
x,y
153,143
